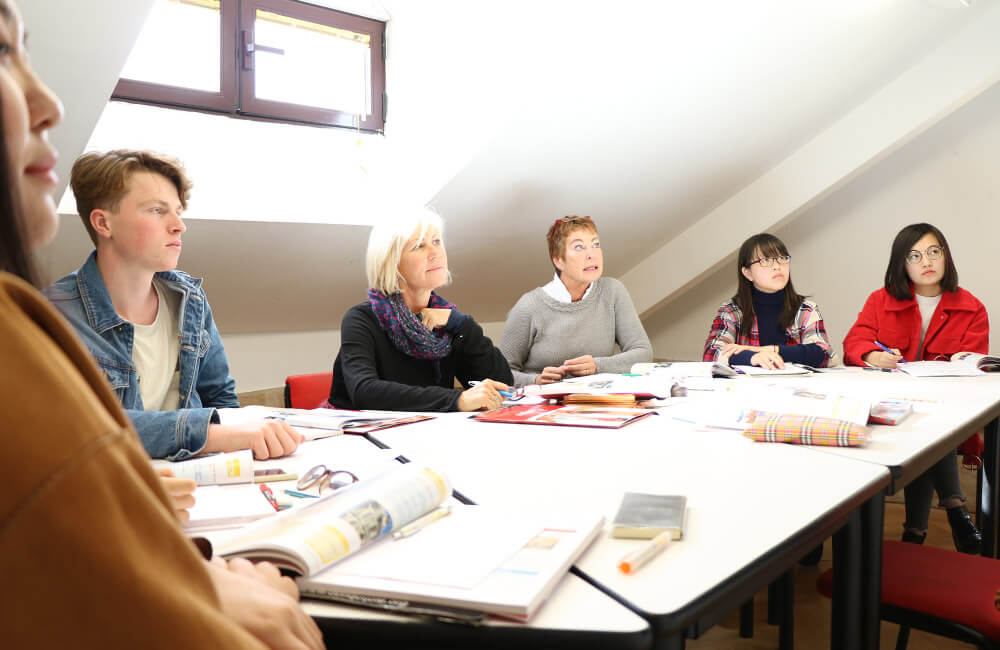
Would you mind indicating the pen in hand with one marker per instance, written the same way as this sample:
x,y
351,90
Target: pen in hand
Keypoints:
x,y
634,560
885,349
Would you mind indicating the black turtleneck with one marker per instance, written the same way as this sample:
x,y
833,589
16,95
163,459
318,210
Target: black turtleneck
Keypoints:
x,y
767,308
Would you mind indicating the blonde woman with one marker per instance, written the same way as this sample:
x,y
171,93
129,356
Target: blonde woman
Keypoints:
x,y
405,346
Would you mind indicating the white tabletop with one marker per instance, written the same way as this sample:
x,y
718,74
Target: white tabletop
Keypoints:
x,y
744,498
947,410
574,606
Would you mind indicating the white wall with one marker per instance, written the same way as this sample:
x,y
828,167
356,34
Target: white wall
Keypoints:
x,y
840,247
259,361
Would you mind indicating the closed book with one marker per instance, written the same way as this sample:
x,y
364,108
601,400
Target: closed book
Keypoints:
x,y
645,516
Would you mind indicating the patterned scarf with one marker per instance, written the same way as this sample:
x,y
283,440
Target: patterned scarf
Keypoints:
x,y
405,328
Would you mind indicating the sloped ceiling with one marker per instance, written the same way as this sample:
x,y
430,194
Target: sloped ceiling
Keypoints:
x,y
646,116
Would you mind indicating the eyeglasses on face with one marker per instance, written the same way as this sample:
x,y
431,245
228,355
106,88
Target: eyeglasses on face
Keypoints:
x,y
771,262
933,253
326,479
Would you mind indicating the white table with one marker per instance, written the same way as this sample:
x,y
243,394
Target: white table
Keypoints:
x,y
753,509
577,615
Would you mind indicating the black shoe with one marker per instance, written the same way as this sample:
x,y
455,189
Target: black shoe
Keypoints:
x,y
964,532
912,537
813,557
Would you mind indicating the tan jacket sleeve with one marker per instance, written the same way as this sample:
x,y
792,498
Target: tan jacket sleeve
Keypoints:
x,y
90,553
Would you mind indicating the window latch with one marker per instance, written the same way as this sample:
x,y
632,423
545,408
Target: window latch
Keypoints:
x,y
250,48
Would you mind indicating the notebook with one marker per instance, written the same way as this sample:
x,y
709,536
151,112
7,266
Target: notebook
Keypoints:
x,y
645,516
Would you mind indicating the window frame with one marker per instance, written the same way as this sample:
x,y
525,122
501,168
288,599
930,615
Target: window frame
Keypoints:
x,y
236,79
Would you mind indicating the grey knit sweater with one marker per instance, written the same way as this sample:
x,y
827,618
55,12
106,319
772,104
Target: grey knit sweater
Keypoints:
x,y
541,331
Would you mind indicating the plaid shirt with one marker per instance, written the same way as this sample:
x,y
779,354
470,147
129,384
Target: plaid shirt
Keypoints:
x,y
807,328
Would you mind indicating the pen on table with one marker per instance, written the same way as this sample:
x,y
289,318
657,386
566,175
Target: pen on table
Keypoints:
x,y
303,495
417,525
505,393
266,491
634,560
890,351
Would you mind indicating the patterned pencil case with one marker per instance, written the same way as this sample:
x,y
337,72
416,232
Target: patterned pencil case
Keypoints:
x,y
806,430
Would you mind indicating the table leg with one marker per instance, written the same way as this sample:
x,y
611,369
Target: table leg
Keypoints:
x,y
786,600
746,620
872,530
989,496
845,623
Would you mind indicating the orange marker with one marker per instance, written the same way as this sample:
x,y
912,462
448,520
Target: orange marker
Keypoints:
x,y
634,560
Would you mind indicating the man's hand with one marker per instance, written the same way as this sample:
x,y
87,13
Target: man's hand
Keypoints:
x,y
267,438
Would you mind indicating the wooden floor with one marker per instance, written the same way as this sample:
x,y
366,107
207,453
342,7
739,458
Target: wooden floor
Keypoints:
x,y
812,611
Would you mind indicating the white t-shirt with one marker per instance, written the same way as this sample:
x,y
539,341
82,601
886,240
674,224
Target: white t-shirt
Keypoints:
x,y
927,305
154,352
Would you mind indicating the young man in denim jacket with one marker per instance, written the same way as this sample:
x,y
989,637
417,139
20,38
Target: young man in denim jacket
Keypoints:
x,y
149,326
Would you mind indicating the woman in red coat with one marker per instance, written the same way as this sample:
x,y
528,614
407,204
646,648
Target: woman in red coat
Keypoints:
x,y
922,314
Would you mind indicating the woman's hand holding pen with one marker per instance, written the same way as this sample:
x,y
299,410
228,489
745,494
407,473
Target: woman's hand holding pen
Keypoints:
x,y
180,491
484,396
880,359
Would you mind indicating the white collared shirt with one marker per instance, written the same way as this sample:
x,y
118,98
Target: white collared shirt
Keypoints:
x,y
558,291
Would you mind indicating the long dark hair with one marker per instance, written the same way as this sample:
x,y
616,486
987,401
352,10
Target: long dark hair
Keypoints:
x,y
15,256
769,246
897,282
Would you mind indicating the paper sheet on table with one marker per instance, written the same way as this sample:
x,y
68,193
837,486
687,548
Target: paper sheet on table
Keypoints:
x,y
460,550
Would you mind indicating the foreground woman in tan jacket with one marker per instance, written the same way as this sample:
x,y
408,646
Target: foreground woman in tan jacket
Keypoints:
x,y
91,552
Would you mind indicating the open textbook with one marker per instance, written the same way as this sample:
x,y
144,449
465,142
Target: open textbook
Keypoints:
x,y
962,364
603,384
477,558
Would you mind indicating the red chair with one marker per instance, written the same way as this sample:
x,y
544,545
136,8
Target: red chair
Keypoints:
x,y
307,391
938,591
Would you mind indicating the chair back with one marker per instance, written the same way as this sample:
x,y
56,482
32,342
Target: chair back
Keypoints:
x,y
307,391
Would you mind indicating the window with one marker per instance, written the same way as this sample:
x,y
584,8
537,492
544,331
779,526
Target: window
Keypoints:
x,y
276,59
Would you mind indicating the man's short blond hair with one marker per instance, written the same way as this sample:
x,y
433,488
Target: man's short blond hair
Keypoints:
x,y
388,240
100,180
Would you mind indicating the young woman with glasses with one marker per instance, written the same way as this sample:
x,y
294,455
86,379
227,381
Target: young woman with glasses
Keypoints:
x,y
767,323
922,314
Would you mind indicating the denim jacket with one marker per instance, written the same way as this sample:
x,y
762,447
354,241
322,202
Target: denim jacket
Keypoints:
x,y
205,383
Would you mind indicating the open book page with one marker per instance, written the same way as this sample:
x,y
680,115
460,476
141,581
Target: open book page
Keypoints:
x,y
312,537
323,423
939,369
789,369
216,507
608,384
519,558
214,469
684,369
984,362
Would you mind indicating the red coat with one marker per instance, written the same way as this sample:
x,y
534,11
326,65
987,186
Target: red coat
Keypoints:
x,y
959,324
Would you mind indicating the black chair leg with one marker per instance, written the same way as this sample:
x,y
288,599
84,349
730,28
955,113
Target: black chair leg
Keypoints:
x,y
774,603
903,638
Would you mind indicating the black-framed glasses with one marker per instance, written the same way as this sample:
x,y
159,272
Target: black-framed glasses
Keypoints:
x,y
771,262
326,479
933,253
